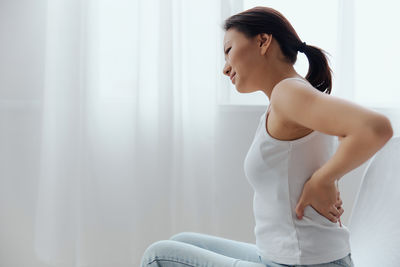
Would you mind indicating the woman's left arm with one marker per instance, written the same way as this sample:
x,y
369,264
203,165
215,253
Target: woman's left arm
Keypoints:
x,y
362,131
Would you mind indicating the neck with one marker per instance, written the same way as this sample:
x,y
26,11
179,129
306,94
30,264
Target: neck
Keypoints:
x,y
278,75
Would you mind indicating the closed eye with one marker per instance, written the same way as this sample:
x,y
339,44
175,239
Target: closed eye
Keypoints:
x,y
226,52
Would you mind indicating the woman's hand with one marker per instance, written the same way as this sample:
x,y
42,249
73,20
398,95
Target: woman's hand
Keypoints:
x,y
323,197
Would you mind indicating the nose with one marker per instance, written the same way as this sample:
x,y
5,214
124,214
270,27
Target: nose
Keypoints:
x,y
226,70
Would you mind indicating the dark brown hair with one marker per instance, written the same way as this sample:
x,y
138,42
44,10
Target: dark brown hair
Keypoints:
x,y
267,20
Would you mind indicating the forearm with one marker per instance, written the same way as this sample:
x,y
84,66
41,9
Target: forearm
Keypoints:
x,y
353,150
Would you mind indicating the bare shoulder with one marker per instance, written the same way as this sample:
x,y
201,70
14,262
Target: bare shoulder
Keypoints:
x,y
290,85
277,97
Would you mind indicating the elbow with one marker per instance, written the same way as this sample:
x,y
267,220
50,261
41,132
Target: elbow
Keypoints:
x,y
382,128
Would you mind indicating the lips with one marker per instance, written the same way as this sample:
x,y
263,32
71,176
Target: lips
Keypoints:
x,y
233,76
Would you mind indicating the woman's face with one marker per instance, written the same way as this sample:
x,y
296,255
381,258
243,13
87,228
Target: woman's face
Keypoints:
x,y
243,59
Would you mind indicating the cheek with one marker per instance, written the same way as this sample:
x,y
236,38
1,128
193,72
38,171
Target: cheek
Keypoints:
x,y
249,68
244,63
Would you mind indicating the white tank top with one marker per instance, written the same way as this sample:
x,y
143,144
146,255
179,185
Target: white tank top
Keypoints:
x,y
277,171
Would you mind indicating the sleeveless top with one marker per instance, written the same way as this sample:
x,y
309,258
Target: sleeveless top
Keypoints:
x,y
277,170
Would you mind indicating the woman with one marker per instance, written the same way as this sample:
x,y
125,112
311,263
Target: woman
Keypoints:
x,y
291,164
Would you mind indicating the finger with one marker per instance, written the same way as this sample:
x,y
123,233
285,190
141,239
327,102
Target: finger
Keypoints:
x,y
339,203
340,210
301,205
332,217
334,211
299,210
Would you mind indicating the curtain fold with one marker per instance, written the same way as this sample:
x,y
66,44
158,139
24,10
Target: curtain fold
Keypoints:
x,y
57,212
129,108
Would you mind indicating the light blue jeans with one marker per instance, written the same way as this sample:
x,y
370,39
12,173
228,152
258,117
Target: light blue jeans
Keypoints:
x,y
189,249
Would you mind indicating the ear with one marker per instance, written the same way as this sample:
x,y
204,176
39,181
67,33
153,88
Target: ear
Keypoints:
x,y
264,42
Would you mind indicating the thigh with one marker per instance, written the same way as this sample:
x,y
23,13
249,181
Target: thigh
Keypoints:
x,y
170,253
227,247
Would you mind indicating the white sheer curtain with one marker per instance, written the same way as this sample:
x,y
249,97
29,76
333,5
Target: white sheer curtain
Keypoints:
x,y
127,148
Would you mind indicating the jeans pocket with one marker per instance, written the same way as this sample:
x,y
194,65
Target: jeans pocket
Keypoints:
x,y
338,263
344,262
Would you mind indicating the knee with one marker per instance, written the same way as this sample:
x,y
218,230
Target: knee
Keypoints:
x,y
182,237
156,250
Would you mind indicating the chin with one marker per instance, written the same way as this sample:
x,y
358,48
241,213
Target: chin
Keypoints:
x,y
237,89
243,91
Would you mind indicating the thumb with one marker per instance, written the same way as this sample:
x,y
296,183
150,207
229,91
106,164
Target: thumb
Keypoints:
x,y
300,209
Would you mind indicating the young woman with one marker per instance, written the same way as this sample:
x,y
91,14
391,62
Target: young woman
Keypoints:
x,y
291,164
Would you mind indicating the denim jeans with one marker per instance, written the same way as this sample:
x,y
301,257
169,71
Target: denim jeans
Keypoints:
x,y
189,249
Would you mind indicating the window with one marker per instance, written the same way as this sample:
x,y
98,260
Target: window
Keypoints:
x,y
376,57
